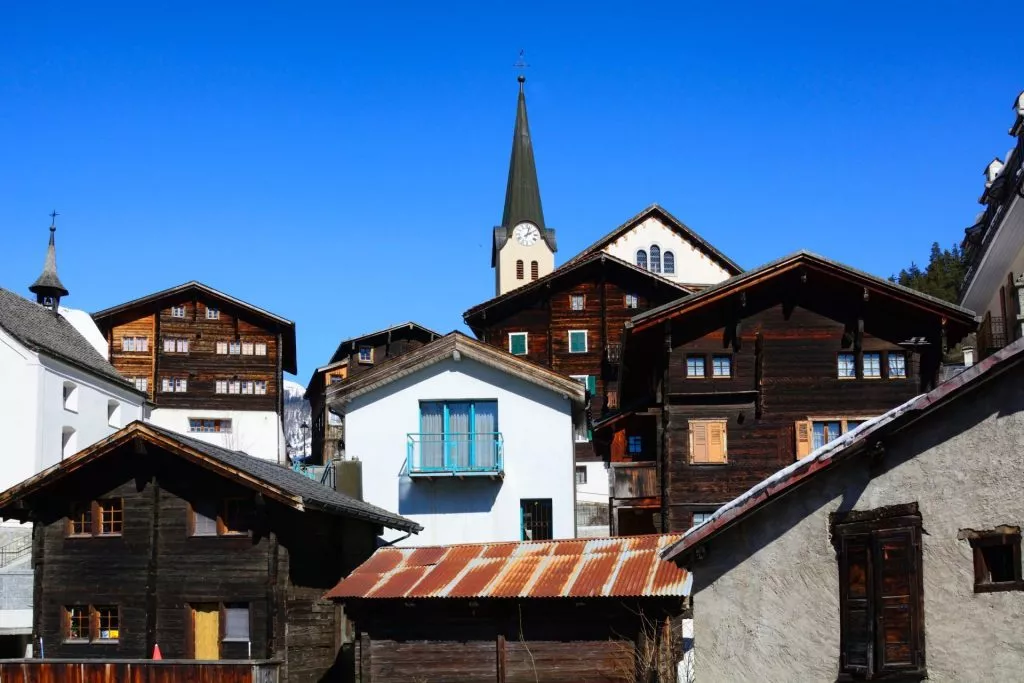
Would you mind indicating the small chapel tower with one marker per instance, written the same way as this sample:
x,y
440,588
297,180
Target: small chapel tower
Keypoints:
x,y
47,287
524,248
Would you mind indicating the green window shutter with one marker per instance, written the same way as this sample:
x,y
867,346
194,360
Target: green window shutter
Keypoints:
x,y
517,344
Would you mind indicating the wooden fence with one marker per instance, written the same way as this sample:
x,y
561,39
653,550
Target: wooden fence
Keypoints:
x,y
137,671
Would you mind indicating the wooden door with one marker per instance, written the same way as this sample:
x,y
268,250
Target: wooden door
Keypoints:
x,y
206,631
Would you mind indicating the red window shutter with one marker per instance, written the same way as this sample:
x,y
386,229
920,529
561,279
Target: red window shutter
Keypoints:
x,y
897,605
856,604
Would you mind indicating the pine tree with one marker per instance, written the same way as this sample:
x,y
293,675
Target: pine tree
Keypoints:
x,y
942,277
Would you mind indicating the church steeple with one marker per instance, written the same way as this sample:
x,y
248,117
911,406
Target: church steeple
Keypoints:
x,y
522,194
48,287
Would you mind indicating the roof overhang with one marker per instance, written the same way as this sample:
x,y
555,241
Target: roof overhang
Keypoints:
x,y
386,332
1004,247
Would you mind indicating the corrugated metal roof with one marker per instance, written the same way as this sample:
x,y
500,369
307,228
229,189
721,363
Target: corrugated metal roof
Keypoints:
x,y
574,568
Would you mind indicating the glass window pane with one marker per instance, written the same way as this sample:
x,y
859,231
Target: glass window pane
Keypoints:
x,y
872,365
236,622
897,364
846,365
204,519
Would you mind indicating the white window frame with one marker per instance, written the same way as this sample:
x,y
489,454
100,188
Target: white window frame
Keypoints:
x,y
359,354
260,387
853,365
141,383
632,301
221,386
212,313
586,341
247,348
234,386
526,343
222,348
260,348
581,298
235,348
888,364
177,311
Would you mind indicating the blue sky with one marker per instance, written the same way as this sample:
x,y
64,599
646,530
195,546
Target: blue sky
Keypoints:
x,y
343,166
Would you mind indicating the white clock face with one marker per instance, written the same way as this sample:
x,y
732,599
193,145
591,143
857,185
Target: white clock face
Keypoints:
x,y
526,234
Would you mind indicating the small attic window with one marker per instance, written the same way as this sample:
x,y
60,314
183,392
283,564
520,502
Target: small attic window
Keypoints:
x,y
71,397
113,414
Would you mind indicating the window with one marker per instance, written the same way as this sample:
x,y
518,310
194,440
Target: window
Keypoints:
x,y
577,301
634,444
113,414
872,365
707,442
577,341
71,397
234,387
221,386
535,516
261,348
135,344
701,517
222,347
695,367
517,343
110,514
68,442
236,622
234,517
206,425
247,348
174,385
108,623
997,563
897,365
261,387
80,520
581,475
641,259
177,311
655,258
458,436
141,383
248,387
847,365
76,622
669,263
365,354
632,301
534,270
204,519
721,366
581,431
520,273
880,607
212,313
175,345
829,429
235,348
230,518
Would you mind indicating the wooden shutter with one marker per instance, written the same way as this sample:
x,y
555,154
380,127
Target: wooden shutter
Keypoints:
x,y
619,445
716,442
855,604
698,442
803,438
897,557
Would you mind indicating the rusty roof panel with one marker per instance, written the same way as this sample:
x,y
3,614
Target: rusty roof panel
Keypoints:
x,y
604,567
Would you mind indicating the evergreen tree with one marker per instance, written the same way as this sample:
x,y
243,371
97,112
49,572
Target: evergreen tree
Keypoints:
x,y
942,277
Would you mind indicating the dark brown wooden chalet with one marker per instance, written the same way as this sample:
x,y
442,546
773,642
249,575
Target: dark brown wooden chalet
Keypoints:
x,y
152,538
722,388
572,320
192,346
569,611
353,357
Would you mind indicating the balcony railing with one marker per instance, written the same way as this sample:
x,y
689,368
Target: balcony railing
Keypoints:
x,y
613,352
456,455
321,473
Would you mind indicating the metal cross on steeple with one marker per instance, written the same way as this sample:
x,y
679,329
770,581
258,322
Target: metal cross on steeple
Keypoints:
x,y
522,66
53,218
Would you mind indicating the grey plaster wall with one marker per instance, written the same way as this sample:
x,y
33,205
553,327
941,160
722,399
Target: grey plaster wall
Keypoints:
x,y
766,604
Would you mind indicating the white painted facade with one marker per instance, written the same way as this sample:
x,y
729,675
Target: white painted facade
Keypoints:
x,y
536,425
692,265
595,490
257,432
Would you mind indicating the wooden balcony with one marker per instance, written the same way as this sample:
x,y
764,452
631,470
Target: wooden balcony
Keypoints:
x,y
635,480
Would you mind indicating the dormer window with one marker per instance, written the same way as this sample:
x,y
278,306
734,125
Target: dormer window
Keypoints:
x,y
365,354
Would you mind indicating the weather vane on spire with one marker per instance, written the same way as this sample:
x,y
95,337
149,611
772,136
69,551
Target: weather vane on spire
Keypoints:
x,y
522,66
53,218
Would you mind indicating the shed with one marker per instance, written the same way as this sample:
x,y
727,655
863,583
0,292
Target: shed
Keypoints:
x,y
578,611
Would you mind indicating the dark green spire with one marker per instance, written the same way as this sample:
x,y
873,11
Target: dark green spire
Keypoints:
x,y
522,194
48,287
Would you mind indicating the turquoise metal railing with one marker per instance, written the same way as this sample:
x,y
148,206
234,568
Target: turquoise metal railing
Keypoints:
x,y
456,454
321,473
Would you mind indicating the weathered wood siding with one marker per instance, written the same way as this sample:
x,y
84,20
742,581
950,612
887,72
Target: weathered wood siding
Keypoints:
x,y
134,363
48,671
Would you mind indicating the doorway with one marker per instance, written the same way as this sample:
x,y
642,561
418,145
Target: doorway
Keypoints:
x,y
206,631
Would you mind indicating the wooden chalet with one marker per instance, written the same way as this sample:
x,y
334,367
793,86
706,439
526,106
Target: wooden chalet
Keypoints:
x,y
724,387
573,611
353,357
153,538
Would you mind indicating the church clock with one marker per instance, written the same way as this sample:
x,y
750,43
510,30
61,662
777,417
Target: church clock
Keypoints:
x,y
526,234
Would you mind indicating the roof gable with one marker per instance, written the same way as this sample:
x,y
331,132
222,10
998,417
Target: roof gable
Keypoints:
x,y
451,345
49,333
167,296
274,481
411,330
673,224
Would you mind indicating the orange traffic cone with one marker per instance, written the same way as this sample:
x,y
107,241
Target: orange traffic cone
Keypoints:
x,y
156,652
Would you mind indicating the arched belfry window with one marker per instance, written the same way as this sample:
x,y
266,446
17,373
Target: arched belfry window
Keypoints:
x,y
534,270
655,258
519,269
669,261
641,259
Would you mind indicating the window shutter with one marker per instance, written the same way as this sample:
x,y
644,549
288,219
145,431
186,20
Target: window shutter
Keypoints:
x,y
619,445
855,604
716,442
698,442
803,438
897,584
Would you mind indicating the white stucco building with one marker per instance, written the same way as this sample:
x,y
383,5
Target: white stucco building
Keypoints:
x,y
58,395
467,440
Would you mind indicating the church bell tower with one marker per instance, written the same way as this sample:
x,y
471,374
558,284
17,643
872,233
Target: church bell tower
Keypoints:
x,y
524,248
48,287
